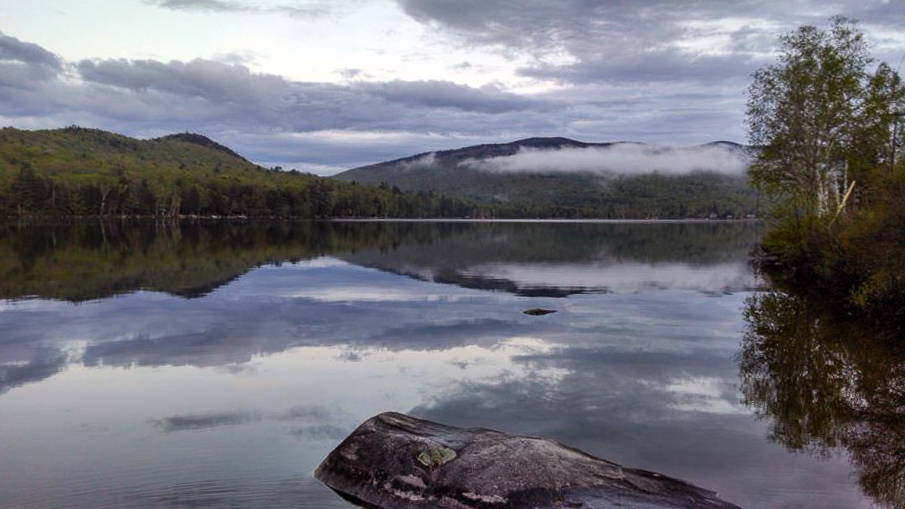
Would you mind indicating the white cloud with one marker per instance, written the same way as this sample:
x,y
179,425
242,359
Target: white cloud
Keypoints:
x,y
622,277
425,161
623,158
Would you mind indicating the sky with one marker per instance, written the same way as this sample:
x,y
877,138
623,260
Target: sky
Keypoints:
x,y
327,85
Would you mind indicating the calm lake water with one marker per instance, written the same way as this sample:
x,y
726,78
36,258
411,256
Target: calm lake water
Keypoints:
x,y
215,365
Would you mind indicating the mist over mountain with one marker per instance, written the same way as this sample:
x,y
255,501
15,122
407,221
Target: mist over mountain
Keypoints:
x,y
88,172
620,159
561,177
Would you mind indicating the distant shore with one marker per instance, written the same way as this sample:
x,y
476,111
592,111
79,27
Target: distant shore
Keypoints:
x,y
77,219
535,220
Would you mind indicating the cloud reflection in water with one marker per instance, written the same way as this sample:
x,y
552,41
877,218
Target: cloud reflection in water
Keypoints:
x,y
256,380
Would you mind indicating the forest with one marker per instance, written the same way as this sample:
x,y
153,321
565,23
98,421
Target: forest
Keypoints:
x,y
78,172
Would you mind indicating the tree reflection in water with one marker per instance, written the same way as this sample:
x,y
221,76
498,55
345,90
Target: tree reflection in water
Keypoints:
x,y
828,383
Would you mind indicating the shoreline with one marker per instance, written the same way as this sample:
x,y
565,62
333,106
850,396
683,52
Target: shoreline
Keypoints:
x,y
530,220
94,219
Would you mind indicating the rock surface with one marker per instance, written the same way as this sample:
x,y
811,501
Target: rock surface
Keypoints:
x,y
394,461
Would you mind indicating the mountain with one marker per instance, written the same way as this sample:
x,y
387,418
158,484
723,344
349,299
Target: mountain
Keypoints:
x,y
78,172
88,172
561,177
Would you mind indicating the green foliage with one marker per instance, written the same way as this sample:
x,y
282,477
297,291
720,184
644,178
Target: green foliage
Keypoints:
x,y
826,123
871,249
562,194
821,118
578,196
87,172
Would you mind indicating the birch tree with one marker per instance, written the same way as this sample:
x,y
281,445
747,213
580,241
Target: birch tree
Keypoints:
x,y
819,116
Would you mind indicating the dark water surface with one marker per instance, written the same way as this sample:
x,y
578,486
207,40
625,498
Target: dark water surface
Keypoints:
x,y
215,365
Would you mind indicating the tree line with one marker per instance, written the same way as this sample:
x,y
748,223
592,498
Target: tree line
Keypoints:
x,y
85,172
31,194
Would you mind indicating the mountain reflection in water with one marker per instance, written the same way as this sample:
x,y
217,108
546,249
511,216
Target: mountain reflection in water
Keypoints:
x,y
212,365
98,260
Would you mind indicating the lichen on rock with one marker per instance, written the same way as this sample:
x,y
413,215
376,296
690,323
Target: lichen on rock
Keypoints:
x,y
436,457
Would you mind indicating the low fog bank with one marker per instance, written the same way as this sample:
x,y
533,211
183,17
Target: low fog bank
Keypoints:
x,y
627,158
426,161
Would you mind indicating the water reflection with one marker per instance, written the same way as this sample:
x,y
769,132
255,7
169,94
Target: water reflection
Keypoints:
x,y
215,365
544,260
91,261
88,262
828,383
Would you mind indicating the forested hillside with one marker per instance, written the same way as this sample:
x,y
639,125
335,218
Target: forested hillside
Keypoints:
x,y
77,172
87,172
566,194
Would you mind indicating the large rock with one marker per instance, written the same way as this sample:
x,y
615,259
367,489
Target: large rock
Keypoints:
x,y
394,461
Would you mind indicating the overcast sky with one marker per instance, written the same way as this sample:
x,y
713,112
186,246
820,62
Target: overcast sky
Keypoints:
x,y
324,85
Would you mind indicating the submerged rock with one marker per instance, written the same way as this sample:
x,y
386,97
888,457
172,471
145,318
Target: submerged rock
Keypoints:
x,y
539,311
394,461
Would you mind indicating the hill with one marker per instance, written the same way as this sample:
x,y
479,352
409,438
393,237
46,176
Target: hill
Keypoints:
x,y
525,179
202,140
89,172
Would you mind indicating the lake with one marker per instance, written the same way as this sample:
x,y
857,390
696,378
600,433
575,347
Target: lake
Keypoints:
x,y
153,365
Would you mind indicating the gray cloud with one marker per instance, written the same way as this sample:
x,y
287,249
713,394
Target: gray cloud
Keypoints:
x,y
271,118
321,432
191,422
314,422
297,9
302,105
307,413
12,49
210,80
624,41
203,5
44,363
445,94
652,66
664,71
351,73
24,63
236,57
618,41
219,81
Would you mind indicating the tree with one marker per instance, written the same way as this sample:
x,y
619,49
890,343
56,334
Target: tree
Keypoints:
x,y
820,118
26,189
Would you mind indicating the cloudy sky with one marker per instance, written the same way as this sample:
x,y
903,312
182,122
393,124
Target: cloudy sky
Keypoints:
x,y
324,85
